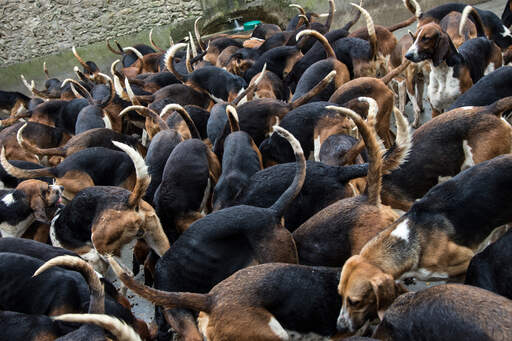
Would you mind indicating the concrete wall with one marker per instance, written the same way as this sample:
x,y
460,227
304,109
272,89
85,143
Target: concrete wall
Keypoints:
x,y
33,28
34,31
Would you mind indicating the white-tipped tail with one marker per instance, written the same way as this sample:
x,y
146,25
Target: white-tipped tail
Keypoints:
x,y
134,50
171,52
19,134
297,148
119,329
233,112
464,18
171,107
140,166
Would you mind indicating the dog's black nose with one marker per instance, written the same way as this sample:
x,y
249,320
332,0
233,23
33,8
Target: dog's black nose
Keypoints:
x,y
410,56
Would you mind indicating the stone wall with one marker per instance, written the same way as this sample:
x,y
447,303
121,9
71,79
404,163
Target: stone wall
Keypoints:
x,y
33,28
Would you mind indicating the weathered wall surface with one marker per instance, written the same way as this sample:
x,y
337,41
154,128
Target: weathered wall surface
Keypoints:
x,y
33,28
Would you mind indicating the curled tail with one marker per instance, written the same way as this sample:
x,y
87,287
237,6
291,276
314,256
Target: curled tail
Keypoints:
x,y
141,170
147,113
139,56
300,174
369,135
97,303
251,87
399,152
313,92
232,118
169,60
413,7
371,31
118,328
469,10
323,40
194,132
58,151
193,301
24,173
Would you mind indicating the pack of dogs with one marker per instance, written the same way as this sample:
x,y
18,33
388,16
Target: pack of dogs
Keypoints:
x,y
265,183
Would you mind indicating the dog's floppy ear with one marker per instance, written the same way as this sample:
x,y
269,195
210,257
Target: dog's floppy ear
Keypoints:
x,y
385,291
38,206
441,48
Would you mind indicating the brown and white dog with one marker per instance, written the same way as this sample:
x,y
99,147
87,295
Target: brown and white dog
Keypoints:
x,y
25,204
103,220
434,239
453,71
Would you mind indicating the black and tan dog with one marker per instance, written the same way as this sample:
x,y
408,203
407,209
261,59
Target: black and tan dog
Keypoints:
x,y
235,237
27,203
459,312
91,166
97,137
53,292
340,230
13,102
257,303
434,239
446,145
453,71
241,158
104,220
490,268
494,28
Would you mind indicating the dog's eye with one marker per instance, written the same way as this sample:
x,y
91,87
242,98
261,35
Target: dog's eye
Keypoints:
x,y
425,38
353,302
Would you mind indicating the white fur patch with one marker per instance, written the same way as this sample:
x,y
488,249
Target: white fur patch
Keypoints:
x,y
317,146
344,320
506,32
468,156
414,47
441,179
53,236
8,200
402,230
202,323
443,88
16,231
490,68
277,329
107,122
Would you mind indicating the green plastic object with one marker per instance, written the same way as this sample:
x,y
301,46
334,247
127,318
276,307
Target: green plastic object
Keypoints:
x,y
250,25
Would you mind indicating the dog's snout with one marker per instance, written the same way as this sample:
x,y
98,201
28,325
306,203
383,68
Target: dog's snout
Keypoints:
x,y
409,55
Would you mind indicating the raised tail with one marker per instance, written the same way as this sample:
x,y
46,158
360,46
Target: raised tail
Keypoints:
x,y
399,152
323,40
370,138
169,60
469,10
193,301
232,118
194,132
147,113
372,35
401,24
313,92
97,303
118,328
24,173
300,174
413,7
143,177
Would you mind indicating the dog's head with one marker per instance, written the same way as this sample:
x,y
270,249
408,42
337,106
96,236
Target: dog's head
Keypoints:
x,y
115,227
366,292
430,43
40,196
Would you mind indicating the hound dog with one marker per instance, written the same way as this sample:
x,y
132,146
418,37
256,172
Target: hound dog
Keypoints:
x,y
257,303
493,26
459,312
446,145
106,220
13,102
490,268
340,230
236,237
453,71
434,239
27,203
